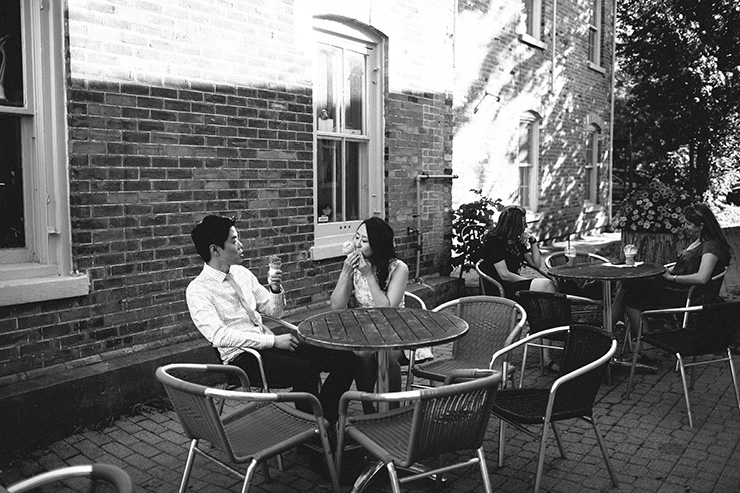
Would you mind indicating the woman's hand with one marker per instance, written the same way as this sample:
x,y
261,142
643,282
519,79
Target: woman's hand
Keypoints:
x,y
351,262
365,267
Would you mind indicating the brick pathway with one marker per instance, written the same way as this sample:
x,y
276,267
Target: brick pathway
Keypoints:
x,y
651,446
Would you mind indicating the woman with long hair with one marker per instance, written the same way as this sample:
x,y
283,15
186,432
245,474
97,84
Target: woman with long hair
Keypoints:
x,y
507,248
377,278
708,255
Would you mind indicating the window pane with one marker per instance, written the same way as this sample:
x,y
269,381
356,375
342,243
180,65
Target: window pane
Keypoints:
x,y
12,229
524,173
588,195
353,186
355,91
524,142
529,13
11,61
326,91
326,203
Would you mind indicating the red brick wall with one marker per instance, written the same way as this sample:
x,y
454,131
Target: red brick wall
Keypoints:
x,y
491,57
175,113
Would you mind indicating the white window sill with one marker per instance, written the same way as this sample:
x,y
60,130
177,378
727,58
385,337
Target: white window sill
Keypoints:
x,y
34,288
532,41
325,251
596,68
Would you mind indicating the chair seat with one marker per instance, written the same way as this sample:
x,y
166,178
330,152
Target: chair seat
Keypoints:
x,y
387,437
263,430
528,406
685,341
439,368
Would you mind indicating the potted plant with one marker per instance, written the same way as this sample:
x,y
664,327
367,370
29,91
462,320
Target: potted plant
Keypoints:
x,y
470,223
651,217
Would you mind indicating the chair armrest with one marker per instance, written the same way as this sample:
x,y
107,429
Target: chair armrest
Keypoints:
x,y
539,335
468,374
241,396
665,311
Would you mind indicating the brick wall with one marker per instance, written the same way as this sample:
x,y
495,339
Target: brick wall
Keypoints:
x,y
490,57
177,110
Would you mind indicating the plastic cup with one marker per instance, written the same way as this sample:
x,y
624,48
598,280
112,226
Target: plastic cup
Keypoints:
x,y
570,255
629,254
275,265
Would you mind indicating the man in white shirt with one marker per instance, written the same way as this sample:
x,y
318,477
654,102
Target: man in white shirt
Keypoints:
x,y
225,302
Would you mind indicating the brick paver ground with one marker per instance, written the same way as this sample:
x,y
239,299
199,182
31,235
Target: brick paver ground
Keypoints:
x,y
651,446
650,443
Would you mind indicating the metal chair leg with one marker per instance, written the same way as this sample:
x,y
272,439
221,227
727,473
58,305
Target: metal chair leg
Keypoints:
x,y
685,388
604,452
484,470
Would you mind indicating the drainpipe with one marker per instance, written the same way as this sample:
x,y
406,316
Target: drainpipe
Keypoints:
x,y
419,236
554,38
611,117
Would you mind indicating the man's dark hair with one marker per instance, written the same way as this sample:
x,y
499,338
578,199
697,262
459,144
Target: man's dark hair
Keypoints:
x,y
212,230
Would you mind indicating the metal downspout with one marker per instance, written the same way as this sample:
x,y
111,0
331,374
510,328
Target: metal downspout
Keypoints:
x,y
611,116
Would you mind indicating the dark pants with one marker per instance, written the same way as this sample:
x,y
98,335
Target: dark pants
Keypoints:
x,y
301,369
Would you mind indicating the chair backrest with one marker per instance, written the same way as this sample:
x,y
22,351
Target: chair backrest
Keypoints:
x,y
707,293
494,322
196,410
545,310
488,285
717,325
558,258
410,300
583,345
100,478
451,417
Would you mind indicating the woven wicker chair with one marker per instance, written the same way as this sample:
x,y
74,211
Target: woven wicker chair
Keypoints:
x,y
262,428
710,332
487,284
410,300
587,353
95,478
444,419
493,322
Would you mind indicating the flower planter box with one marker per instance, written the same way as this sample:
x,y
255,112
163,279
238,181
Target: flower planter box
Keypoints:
x,y
661,248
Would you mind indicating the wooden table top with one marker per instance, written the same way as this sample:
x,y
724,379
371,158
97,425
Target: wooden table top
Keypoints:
x,y
381,328
606,271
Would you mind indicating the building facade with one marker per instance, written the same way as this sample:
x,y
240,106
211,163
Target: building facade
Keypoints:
x,y
128,122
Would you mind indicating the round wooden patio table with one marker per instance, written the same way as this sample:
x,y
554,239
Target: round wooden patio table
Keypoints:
x,y
381,329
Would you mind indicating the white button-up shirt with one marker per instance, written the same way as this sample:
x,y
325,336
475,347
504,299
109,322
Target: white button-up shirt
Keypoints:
x,y
220,316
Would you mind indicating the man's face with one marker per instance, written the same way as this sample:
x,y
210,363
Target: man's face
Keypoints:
x,y
231,253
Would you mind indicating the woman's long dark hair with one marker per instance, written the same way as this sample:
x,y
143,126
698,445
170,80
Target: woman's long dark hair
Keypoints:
x,y
510,224
380,236
699,213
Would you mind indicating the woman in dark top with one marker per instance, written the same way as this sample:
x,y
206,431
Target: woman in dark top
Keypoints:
x,y
707,256
506,248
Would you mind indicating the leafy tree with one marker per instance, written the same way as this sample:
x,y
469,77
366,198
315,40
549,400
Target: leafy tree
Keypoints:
x,y
681,87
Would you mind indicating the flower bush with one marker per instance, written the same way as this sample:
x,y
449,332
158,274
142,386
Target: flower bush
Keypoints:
x,y
655,207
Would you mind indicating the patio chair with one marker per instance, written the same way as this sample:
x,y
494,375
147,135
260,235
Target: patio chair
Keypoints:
x,y
494,322
590,290
488,285
440,420
410,300
702,294
547,311
94,478
264,427
707,335
587,353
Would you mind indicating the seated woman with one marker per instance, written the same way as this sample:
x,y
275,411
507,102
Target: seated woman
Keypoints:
x,y
509,246
706,256
505,249
377,278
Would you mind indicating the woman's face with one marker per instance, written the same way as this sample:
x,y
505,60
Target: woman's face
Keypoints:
x,y
362,243
691,228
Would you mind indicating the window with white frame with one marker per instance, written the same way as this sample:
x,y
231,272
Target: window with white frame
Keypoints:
x,y
348,172
533,15
594,33
593,158
35,239
527,159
